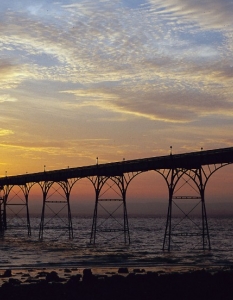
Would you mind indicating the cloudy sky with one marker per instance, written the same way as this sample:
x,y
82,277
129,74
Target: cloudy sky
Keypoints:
x,y
112,79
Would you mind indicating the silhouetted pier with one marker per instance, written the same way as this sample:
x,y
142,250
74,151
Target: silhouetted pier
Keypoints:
x,y
196,167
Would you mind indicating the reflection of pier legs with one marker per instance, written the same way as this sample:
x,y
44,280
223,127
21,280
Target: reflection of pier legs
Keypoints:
x,y
177,230
110,226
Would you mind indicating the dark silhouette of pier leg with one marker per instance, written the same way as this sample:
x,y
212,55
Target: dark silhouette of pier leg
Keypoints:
x,y
205,229
6,191
172,178
16,201
121,182
97,183
26,188
1,215
168,222
2,212
168,229
41,230
126,222
28,217
70,225
49,201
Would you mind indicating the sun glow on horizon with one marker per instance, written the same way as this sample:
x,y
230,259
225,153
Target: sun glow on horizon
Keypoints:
x,y
126,79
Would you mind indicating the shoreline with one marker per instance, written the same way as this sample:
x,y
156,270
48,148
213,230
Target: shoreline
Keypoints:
x,y
185,282
36,274
67,270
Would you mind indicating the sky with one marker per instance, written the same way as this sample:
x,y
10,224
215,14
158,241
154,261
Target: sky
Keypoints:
x,y
113,80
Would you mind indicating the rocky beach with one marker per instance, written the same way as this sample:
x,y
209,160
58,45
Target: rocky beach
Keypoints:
x,y
116,283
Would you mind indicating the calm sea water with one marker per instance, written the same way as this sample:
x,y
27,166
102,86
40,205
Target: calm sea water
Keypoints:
x,y
17,250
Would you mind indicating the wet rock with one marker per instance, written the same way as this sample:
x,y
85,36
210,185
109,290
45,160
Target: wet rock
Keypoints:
x,y
67,271
88,277
110,273
42,274
52,277
151,274
25,275
74,280
87,272
101,277
116,279
138,270
5,285
123,270
131,275
7,273
31,280
14,281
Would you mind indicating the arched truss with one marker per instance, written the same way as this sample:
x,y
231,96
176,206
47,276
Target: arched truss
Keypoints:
x,y
199,177
2,226
118,185
192,173
63,190
12,204
211,169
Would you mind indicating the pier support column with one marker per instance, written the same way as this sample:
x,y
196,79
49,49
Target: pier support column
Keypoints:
x,y
97,183
110,227
67,187
28,217
176,230
205,229
15,200
50,201
168,230
2,227
45,186
6,191
26,189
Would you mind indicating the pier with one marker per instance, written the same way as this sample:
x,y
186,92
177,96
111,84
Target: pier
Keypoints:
x,y
195,168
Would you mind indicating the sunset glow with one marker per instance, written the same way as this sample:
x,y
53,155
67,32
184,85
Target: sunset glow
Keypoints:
x,y
113,80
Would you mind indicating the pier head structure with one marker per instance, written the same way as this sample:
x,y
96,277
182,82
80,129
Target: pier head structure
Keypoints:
x,y
188,169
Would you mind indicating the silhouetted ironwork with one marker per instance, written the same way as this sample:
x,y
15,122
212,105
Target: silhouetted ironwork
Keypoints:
x,y
16,203
197,166
172,177
192,160
121,182
1,215
48,202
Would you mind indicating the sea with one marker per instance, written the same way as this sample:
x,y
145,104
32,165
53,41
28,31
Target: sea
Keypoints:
x,y
56,249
